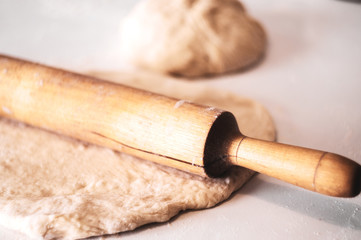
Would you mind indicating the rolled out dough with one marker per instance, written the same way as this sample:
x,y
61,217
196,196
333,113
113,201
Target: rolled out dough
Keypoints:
x,y
53,186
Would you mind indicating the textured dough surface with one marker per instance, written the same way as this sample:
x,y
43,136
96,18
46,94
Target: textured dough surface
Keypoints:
x,y
191,37
52,186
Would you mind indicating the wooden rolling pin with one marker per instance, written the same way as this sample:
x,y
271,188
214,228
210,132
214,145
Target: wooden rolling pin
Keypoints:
x,y
194,138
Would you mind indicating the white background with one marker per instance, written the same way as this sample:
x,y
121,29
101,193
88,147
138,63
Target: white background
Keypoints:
x,y
310,81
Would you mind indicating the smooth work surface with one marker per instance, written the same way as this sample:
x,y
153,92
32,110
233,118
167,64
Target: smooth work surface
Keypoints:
x,y
310,81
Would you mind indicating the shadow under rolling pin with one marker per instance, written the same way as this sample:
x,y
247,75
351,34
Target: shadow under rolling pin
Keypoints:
x,y
187,136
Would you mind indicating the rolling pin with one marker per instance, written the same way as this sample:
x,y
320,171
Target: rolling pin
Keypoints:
x,y
194,138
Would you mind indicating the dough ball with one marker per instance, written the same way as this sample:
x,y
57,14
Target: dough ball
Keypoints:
x,y
191,38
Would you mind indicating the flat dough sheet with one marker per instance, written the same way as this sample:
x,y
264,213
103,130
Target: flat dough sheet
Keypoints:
x,y
53,186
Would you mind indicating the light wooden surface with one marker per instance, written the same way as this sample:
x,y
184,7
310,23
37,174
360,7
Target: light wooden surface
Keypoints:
x,y
199,139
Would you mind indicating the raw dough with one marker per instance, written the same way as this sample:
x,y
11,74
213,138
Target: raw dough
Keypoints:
x,y
191,37
52,186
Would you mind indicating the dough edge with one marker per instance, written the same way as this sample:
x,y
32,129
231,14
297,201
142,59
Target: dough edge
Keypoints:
x,y
34,215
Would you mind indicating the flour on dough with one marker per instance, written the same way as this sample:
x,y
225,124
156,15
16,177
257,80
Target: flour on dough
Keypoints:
x,y
52,186
191,37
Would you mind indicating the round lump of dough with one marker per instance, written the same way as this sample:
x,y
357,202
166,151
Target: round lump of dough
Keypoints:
x,y
191,38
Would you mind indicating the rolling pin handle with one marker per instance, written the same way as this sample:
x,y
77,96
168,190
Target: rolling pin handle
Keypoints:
x,y
318,171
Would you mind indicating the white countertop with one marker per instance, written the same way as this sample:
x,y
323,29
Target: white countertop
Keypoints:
x,y
310,81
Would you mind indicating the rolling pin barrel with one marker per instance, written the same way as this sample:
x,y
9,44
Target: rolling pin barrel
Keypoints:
x,y
158,128
198,139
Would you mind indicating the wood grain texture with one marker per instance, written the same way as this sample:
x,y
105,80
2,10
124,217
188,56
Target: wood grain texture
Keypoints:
x,y
133,121
199,139
318,171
